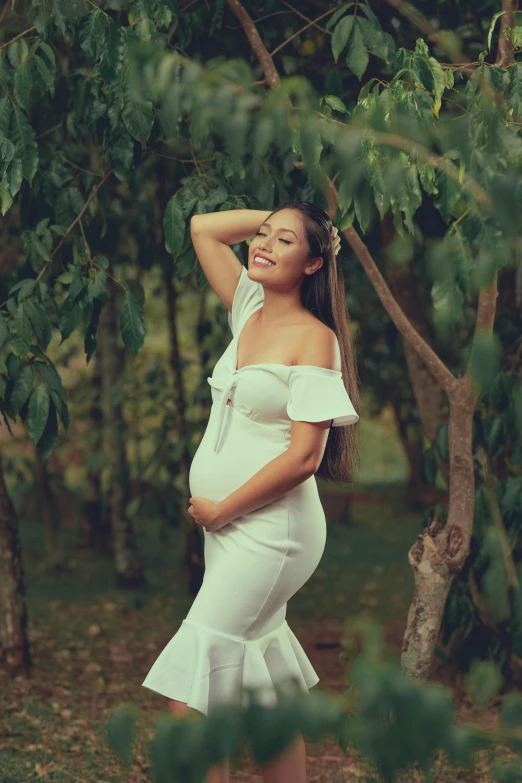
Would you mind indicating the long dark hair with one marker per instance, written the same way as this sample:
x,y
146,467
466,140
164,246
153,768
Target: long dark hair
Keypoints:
x,y
323,294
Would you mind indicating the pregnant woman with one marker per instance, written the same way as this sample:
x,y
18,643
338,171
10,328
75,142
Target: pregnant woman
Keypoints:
x,y
282,394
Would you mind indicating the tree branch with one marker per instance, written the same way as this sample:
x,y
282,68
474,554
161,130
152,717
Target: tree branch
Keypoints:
x,y
506,50
301,30
8,43
256,43
76,220
313,22
437,368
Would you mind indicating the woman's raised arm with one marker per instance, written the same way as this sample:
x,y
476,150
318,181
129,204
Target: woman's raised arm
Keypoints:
x,y
212,234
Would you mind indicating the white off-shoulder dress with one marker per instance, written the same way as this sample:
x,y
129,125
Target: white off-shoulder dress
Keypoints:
x,y
235,635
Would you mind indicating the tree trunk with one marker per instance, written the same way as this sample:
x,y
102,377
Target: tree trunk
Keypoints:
x,y
506,50
128,570
432,402
49,511
95,525
14,642
192,560
440,552
412,440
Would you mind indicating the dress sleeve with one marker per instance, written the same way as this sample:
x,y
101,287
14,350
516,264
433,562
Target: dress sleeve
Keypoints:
x,y
248,296
318,394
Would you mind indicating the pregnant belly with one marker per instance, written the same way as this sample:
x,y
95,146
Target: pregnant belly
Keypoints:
x,y
244,447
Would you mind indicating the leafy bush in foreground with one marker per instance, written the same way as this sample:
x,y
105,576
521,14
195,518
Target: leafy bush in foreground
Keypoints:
x,y
392,722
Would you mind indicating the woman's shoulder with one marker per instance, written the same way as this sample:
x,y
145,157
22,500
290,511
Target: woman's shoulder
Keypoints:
x,y
319,346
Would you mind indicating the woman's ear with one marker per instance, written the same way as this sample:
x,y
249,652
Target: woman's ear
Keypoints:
x,y
314,265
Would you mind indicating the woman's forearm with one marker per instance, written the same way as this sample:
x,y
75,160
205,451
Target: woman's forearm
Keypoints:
x,y
274,480
231,226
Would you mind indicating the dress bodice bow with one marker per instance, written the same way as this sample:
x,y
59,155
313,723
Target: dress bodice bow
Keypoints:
x,y
230,384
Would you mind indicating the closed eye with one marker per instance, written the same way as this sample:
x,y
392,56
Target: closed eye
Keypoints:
x,y
260,233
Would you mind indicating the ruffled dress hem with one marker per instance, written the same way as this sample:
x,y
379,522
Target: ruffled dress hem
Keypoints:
x,y
203,667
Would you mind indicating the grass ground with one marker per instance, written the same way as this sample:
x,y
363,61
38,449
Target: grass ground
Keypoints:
x,y
92,646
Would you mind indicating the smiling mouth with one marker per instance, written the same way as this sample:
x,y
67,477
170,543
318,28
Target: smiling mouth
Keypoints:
x,y
260,261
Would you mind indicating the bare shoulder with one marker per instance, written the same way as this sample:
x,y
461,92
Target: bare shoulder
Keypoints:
x,y
319,347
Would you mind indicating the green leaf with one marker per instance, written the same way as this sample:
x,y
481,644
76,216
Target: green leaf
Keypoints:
x,y
137,289
421,47
24,287
22,136
336,103
96,285
40,322
422,73
5,115
345,195
427,178
515,88
311,144
23,82
17,53
92,31
46,74
174,226
492,27
49,53
4,332
49,438
341,35
111,50
266,192
363,209
66,278
131,324
14,176
439,80
337,15
482,682
357,57
121,151
137,115
90,343
51,377
516,36
71,315
215,197
61,408
510,716
12,363
121,731
21,332
485,357
23,383
375,38
39,403
463,744
5,195
447,196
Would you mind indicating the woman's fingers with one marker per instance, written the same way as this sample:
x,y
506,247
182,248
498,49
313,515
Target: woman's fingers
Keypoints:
x,y
336,239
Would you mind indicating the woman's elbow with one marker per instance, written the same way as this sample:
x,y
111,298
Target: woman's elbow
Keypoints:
x,y
195,224
306,463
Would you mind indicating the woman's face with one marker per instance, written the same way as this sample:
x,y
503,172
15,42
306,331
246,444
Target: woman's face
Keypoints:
x,y
283,241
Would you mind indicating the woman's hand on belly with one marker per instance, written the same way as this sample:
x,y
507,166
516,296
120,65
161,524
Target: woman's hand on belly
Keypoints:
x,y
207,514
